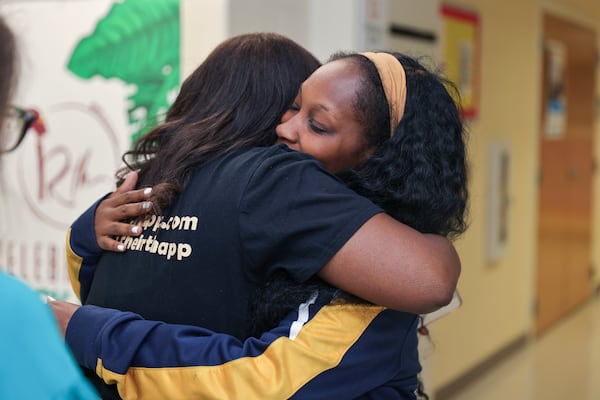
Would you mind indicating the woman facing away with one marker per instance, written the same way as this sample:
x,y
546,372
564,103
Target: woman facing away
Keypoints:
x,y
356,154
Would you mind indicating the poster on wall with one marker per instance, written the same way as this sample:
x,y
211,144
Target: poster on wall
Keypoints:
x,y
461,49
556,100
100,73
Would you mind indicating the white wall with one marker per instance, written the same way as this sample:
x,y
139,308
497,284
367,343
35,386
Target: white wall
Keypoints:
x,y
204,24
323,27
307,22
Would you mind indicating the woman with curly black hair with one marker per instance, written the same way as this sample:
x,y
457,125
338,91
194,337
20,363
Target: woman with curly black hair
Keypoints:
x,y
415,169
321,343
417,174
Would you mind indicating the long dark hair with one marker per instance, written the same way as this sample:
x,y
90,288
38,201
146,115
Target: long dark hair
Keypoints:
x,y
7,68
234,99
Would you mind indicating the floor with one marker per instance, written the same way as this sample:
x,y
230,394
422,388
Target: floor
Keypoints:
x,y
563,364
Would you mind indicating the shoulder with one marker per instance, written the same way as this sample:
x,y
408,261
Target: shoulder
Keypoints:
x,y
261,165
280,163
269,156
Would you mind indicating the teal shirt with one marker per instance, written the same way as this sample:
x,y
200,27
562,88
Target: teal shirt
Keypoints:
x,y
35,362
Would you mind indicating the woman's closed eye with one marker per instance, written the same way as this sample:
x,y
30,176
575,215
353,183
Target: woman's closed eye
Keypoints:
x,y
317,128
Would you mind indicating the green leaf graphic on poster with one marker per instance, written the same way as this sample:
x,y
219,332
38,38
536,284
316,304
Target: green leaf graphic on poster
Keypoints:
x,y
138,43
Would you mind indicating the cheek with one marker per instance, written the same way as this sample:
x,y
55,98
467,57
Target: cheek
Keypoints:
x,y
334,157
320,150
350,155
357,147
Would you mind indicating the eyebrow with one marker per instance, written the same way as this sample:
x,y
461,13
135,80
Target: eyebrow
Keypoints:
x,y
324,108
319,105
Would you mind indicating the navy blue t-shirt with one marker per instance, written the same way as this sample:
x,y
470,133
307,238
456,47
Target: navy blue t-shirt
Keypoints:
x,y
242,217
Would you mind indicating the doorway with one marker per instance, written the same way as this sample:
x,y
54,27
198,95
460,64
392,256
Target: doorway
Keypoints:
x,y
564,271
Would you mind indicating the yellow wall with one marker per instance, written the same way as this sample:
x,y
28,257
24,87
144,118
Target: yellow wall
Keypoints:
x,y
498,297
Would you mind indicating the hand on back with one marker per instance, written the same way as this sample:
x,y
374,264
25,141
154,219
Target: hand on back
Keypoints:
x,y
121,206
63,311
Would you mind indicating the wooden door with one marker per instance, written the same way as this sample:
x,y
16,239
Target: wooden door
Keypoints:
x,y
566,167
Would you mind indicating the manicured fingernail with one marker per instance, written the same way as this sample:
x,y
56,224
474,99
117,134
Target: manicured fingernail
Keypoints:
x,y
135,230
147,191
121,247
146,205
50,298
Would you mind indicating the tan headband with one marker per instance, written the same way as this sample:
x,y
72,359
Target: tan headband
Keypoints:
x,y
393,78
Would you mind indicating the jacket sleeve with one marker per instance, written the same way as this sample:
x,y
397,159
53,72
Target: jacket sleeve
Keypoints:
x,y
150,359
83,252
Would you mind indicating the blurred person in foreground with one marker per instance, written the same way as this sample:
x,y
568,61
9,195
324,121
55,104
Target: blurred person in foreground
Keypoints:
x,y
36,362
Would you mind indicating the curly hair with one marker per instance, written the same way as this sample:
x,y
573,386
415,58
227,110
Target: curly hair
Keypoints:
x,y
419,174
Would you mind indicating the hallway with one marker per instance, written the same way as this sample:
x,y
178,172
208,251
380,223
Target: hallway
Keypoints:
x,y
563,364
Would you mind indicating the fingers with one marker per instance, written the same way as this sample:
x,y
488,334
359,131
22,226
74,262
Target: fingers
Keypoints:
x,y
121,206
132,209
114,214
125,193
108,241
118,197
129,182
133,196
110,244
118,229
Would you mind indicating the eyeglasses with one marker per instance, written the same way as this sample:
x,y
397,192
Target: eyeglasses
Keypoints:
x,y
16,124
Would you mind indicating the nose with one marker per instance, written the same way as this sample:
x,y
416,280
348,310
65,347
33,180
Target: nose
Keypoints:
x,y
286,131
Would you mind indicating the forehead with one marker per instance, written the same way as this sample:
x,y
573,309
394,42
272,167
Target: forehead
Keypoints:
x,y
336,81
